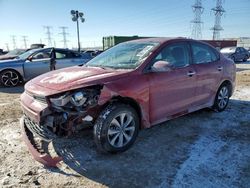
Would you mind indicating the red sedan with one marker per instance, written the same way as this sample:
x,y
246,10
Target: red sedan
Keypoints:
x,y
131,86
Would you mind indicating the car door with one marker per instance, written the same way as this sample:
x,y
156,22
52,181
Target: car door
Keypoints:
x,y
66,58
209,71
37,64
171,91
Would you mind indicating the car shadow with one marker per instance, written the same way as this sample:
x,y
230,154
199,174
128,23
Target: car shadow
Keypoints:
x,y
12,90
155,158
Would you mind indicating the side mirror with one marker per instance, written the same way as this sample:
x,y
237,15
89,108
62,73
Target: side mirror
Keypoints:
x,y
161,66
29,58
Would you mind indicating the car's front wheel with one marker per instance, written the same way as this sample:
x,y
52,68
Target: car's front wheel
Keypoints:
x,y
116,128
9,78
222,98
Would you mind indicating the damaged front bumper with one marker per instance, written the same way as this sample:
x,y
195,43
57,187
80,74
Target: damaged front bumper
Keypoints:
x,y
35,150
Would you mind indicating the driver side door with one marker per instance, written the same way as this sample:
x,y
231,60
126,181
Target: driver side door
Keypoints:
x,y
38,64
172,92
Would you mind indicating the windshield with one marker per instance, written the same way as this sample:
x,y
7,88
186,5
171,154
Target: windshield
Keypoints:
x,y
124,56
26,54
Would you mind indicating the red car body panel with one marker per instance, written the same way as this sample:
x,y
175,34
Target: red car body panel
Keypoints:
x,y
160,96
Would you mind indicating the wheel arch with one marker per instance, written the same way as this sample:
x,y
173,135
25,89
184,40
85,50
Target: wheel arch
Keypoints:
x,y
126,100
228,83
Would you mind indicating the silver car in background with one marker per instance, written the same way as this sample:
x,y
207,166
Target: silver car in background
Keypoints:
x,y
35,62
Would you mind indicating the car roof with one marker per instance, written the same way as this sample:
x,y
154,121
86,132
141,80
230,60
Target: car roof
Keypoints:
x,y
160,39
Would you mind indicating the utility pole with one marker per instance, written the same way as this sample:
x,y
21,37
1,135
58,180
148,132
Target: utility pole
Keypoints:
x,y
218,12
25,41
14,41
48,33
64,34
196,22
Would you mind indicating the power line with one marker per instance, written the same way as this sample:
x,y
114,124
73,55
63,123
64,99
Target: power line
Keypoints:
x,y
25,41
64,35
196,22
218,12
14,41
48,33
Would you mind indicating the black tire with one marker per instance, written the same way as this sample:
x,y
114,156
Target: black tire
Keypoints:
x,y
245,59
219,105
105,123
9,78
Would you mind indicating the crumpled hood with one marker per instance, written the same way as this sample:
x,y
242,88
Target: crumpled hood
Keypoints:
x,y
71,78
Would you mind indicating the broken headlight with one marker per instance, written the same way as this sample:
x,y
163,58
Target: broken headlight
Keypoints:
x,y
60,101
77,99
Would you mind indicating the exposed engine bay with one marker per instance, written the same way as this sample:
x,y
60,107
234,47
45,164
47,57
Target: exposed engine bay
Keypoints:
x,y
68,113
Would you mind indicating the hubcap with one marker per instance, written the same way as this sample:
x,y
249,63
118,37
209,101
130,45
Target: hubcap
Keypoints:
x,y
223,97
10,78
121,130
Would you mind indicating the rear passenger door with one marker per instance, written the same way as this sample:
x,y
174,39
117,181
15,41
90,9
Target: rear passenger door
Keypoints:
x,y
209,71
65,58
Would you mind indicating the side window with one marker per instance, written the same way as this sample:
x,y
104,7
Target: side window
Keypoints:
x,y
42,55
61,54
203,54
237,50
175,55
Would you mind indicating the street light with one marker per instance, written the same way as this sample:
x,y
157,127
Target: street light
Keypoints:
x,y
75,16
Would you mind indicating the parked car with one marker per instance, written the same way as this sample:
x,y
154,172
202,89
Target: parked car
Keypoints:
x,y
236,53
35,62
133,85
12,54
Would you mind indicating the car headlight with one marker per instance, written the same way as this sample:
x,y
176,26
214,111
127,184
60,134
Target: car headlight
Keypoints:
x,y
78,98
60,101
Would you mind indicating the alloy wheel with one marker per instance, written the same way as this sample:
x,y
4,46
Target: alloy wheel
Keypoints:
x,y
121,130
10,78
223,97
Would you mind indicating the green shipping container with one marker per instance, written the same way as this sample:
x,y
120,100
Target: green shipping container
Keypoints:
x,y
110,41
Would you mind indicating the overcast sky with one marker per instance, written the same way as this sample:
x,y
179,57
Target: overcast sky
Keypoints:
x,y
114,17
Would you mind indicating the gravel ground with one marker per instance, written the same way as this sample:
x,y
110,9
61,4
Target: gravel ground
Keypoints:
x,y
202,149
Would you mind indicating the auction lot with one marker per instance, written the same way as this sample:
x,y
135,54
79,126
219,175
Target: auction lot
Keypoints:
x,y
202,149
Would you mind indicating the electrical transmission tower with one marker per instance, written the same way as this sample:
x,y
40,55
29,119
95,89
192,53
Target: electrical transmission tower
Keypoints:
x,y
218,12
196,22
48,33
25,41
14,41
64,34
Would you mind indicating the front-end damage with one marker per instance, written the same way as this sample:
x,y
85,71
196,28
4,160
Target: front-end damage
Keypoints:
x,y
61,114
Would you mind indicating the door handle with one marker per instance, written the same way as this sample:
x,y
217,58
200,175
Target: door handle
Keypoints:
x,y
191,73
220,68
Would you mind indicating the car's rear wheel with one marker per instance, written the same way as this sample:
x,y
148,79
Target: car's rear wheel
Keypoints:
x,y
245,58
9,78
222,98
116,128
